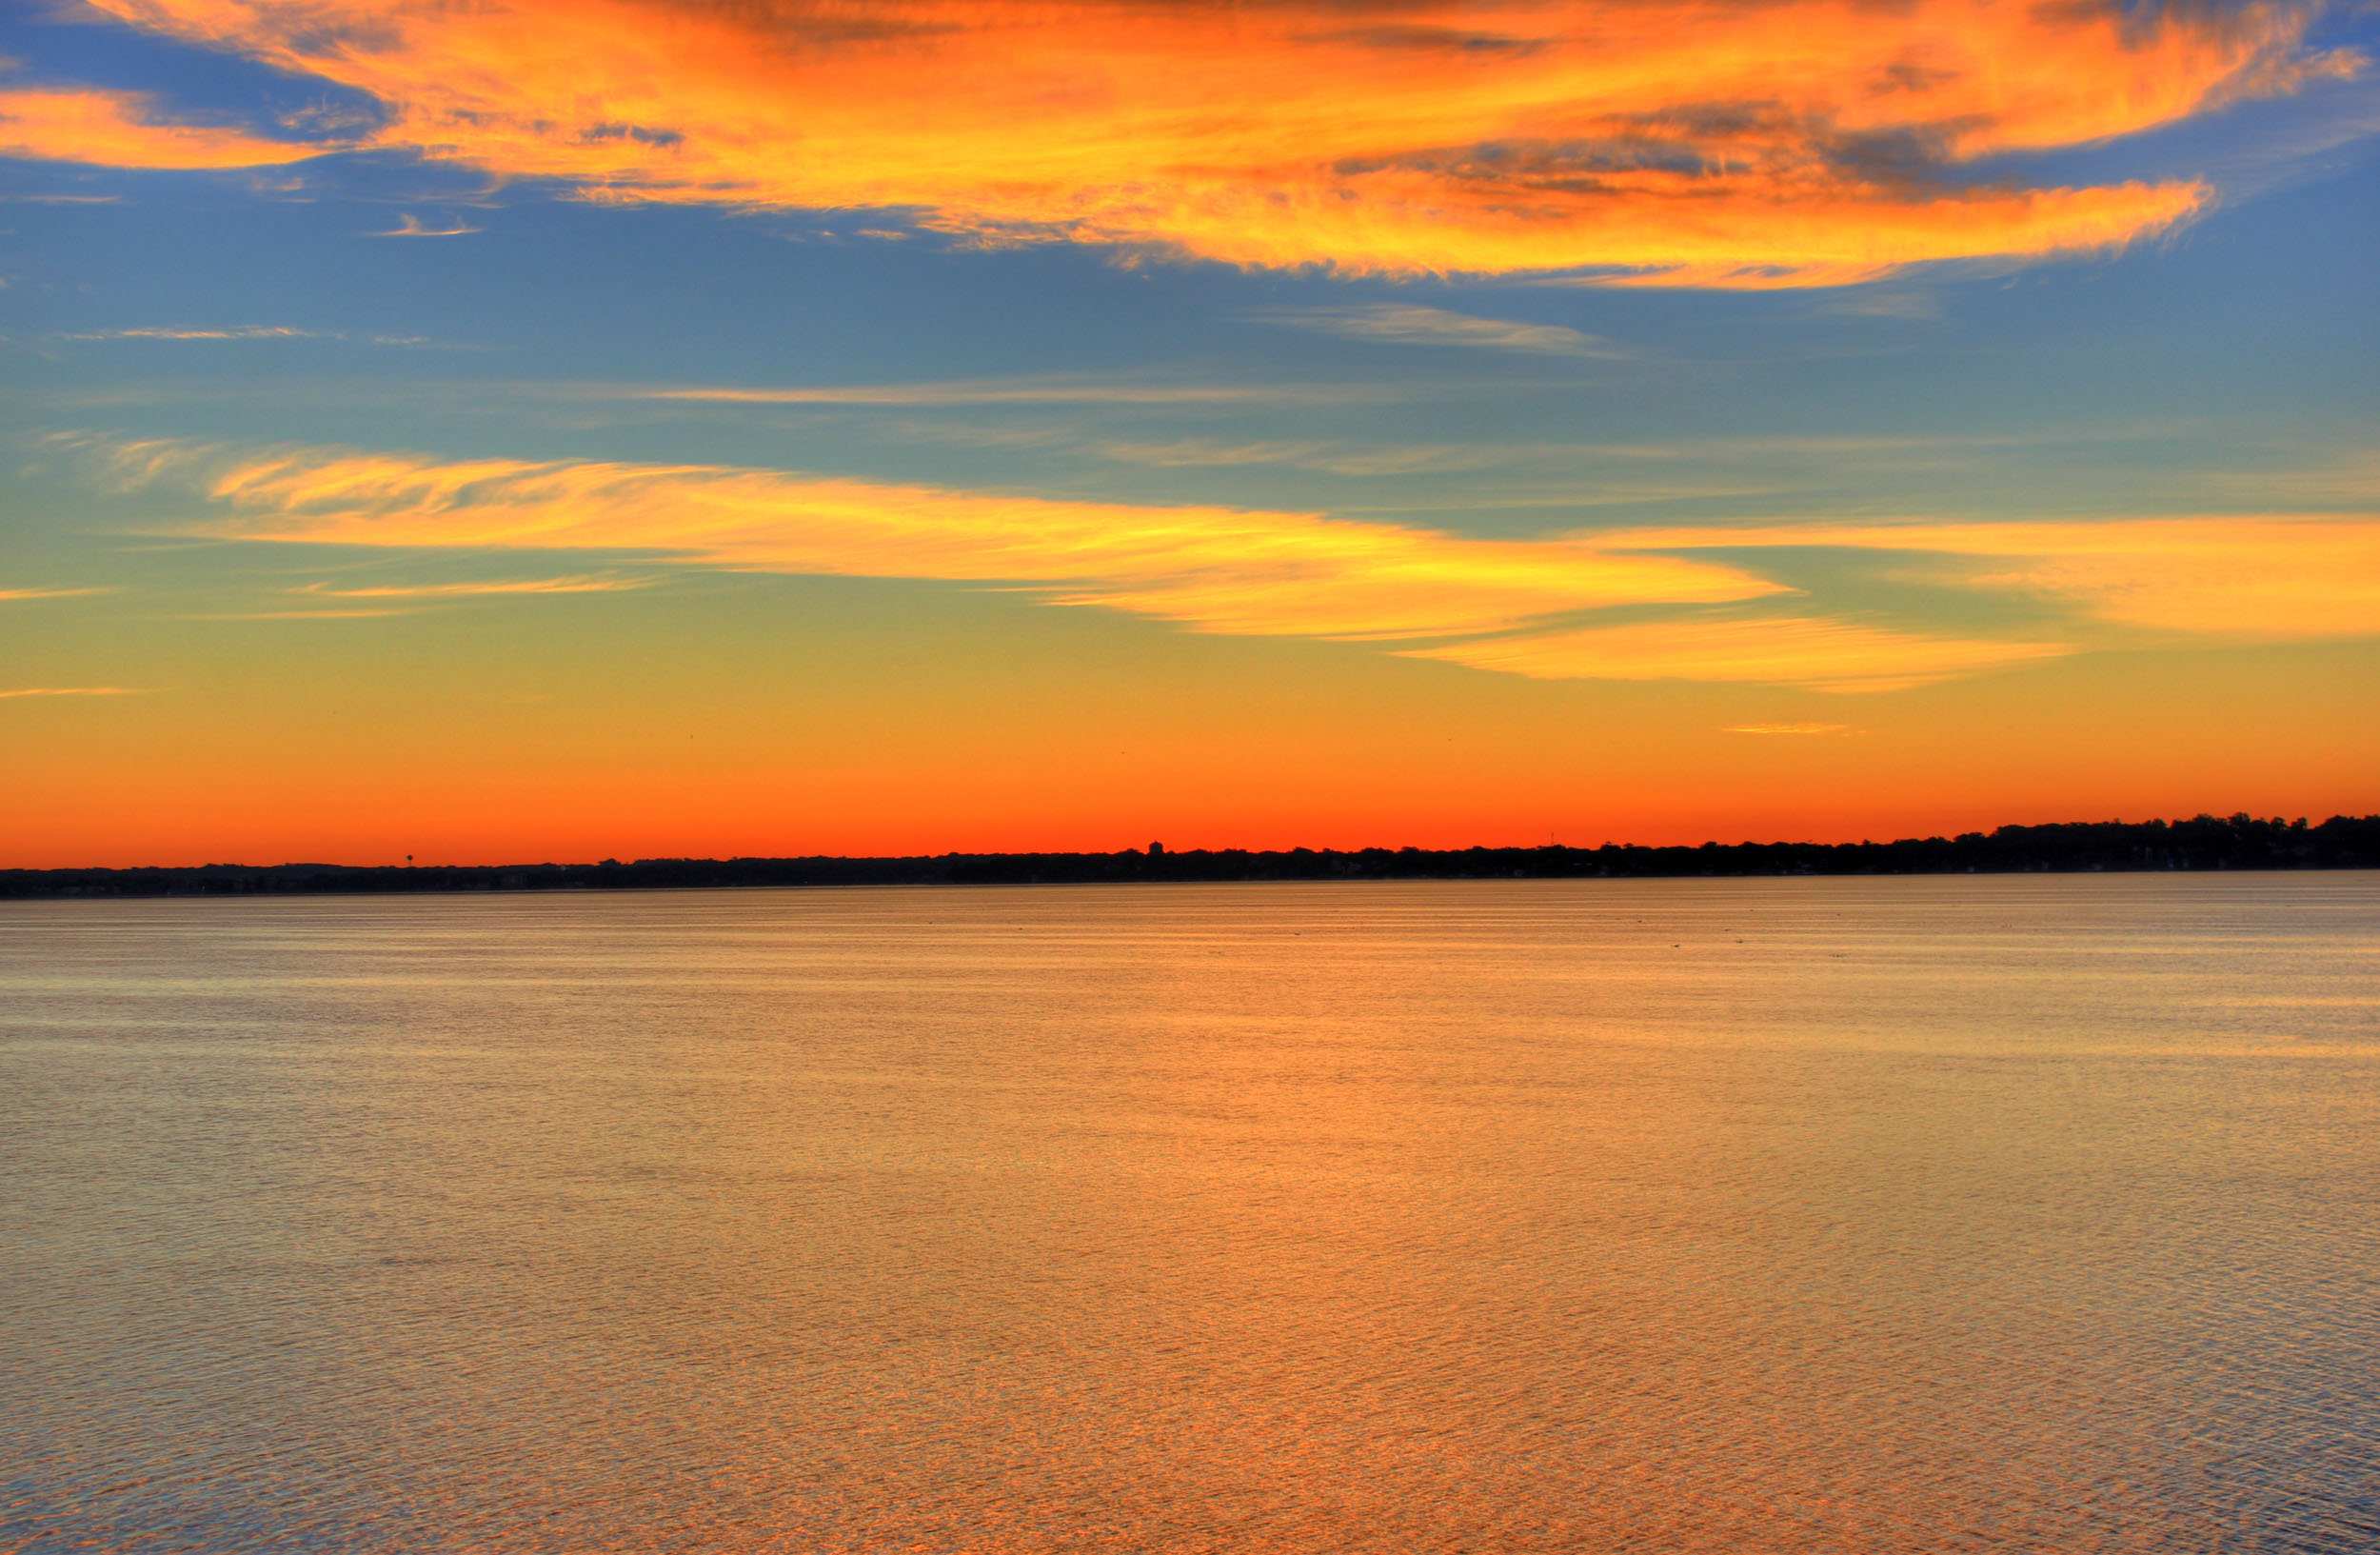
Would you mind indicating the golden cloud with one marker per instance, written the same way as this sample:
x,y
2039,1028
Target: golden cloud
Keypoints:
x,y
1802,142
1509,606
1813,654
1212,569
118,130
2257,577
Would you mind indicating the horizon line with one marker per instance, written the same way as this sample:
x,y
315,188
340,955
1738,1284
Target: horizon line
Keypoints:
x,y
2340,842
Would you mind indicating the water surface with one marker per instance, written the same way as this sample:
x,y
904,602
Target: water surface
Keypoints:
x,y
1840,1215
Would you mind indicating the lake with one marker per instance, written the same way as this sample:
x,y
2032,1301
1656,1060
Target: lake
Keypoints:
x,y
1890,1215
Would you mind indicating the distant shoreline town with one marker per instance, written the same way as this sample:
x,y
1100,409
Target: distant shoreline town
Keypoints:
x,y
2208,842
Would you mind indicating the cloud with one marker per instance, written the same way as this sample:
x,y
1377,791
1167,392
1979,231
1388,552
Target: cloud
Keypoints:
x,y
1791,729
2331,478
583,584
258,332
1883,302
298,615
1802,142
7,594
75,690
1027,392
1810,652
1207,452
409,225
238,331
1515,606
2256,576
1212,568
1399,325
115,130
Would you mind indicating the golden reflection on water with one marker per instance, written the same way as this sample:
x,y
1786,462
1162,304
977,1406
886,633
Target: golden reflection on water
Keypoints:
x,y
1671,1215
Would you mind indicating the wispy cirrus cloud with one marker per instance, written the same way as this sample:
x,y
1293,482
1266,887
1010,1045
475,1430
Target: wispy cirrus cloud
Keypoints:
x,y
1799,142
1812,652
75,690
1332,457
236,332
14,594
1020,392
1212,568
300,615
252,331
1697,602
578,583
2255,575
1402,325
409,225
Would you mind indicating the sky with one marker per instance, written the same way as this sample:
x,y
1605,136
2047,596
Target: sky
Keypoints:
x,y
576,429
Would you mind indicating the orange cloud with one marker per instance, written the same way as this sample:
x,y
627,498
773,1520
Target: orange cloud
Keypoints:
x,y
2250,576
1803,142
1508,605
115,130
1795,651
1212,569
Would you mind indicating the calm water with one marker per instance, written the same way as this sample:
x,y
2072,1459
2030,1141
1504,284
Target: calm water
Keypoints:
x,y
1891,1215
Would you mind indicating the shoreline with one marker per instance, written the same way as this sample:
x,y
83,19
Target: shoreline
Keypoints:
x,y
2206,844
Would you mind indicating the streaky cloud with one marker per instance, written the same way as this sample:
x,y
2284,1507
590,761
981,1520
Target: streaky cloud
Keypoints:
x,y
1404,325
579,583
2254,575
358,614
1021,391
1812,652
238,331
257,332
1522,607
409,225
1212,568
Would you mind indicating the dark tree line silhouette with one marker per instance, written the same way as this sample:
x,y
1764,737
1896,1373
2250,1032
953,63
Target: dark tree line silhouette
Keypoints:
x,y
2237,842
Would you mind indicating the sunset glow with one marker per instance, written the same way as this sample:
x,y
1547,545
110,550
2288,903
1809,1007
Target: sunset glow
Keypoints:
x,y
931,424
1476,138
